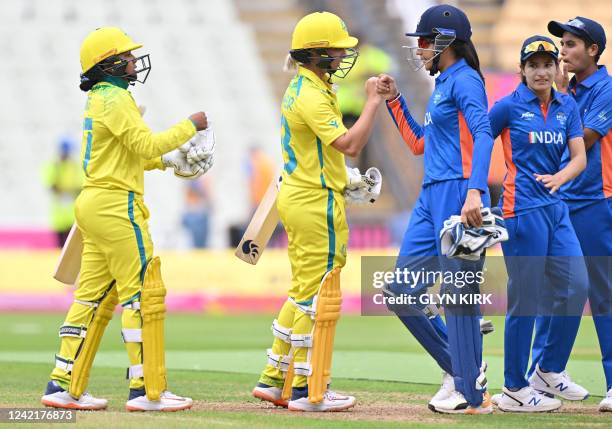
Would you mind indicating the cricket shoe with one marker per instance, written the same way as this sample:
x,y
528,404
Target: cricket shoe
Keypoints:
x,y
448,386
168,401
558,384
606,403
332,401
269,394
496,398
457,404
527,400
55,396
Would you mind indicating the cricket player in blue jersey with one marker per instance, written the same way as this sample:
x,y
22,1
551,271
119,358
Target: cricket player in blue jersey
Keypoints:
x,y
588,196
456,142
536,123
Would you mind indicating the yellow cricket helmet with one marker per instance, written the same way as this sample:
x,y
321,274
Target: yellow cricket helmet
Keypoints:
x,y
321,30
104,43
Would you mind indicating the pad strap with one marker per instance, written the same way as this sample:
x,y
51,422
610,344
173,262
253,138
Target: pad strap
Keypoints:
x,y
93,304
302,368
135,371
280,332
131,335
301,340
306,309
65,364
278,361
134,305
73,331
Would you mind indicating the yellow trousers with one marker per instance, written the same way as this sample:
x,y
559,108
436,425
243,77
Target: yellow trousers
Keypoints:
x,y
315,221
116,248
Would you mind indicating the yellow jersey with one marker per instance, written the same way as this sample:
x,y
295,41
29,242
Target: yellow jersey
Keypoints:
x,y
117,145
310,122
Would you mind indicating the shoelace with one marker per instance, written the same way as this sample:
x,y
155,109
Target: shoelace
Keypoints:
x,y
331,395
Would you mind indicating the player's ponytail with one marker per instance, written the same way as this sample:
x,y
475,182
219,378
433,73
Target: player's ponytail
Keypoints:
x,y
467,51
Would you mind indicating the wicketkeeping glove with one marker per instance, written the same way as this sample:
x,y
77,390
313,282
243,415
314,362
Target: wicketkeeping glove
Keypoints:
x,y
460,241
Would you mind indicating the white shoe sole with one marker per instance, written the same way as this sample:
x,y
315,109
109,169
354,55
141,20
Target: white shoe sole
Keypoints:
x,y
328,410
71,405
522,409
267,398
134,408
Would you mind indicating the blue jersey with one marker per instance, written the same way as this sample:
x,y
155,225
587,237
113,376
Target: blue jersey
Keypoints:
x,y
534,138
456,134
594,98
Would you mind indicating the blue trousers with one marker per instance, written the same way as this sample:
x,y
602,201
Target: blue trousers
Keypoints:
x,y
592,221
456,346
546,277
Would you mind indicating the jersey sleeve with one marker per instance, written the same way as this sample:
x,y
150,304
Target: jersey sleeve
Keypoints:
x,y
471,100
599,116
574,126
498,117
409,129
154,164
124,121
321,118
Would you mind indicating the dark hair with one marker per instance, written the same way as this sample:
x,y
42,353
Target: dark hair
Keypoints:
x,y
587,43
523,80
467,51
112,66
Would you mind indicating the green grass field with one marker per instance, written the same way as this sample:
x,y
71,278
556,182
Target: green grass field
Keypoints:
x,y
216,359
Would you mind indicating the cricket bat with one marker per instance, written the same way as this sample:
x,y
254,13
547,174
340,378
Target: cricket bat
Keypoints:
x,y
69,264
261,227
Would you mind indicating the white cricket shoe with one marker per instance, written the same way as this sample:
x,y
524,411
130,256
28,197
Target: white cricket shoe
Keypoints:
x,y
168,401
448,387
332,401
527,400
55,396
446,390
496,398
558,384
269,394
457,404
606,403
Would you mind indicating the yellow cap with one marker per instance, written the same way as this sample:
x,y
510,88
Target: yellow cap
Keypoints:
x,y
321,30
103,43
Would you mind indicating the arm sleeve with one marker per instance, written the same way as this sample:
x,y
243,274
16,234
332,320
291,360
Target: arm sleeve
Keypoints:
x,y
124,121
409,129
321,118
599,116
154,164
471,100
574,126
498,117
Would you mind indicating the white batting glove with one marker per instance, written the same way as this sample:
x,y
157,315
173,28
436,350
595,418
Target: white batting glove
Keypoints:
x,y
366,193
354,178
177,160
202,146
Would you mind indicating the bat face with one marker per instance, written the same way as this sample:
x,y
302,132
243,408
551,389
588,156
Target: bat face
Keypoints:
x,y
261,227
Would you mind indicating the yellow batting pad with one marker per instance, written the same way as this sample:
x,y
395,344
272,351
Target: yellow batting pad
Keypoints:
x,y
327,314
153,312
286,394
84,360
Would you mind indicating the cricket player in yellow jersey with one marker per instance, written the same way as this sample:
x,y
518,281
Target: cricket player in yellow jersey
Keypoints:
x,y
311,204
117,264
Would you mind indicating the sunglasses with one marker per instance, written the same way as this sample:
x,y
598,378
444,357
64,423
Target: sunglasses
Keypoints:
x,y
540,46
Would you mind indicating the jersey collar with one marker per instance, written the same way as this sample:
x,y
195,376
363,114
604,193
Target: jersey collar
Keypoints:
x,y
527,95
601,73
452,69
311,76
116,81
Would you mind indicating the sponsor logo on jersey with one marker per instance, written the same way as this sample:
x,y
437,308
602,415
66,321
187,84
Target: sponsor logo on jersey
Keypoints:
x,y
528,116
546,137
602,116
428,120
437,97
